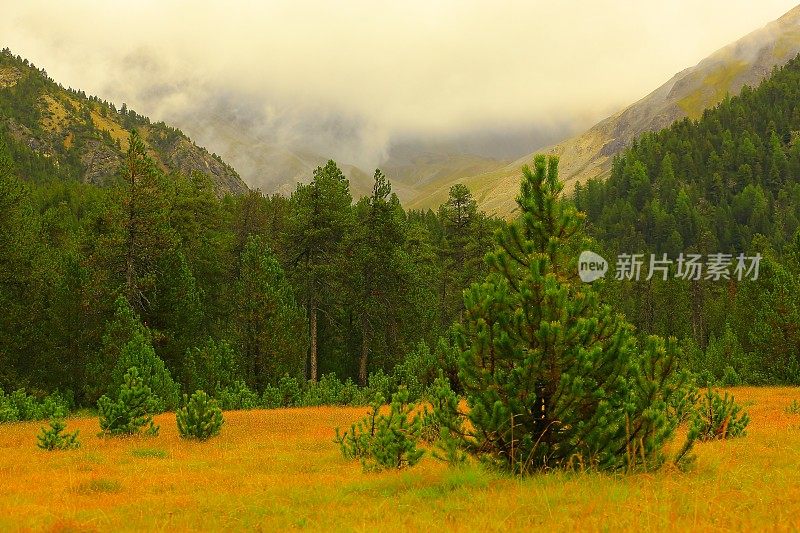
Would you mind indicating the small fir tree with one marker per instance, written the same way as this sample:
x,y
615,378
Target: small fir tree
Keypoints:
x,y
131,411
384,441
718,417
200,418
54,438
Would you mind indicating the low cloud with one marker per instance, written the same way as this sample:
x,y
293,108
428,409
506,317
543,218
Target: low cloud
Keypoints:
x,y
348,79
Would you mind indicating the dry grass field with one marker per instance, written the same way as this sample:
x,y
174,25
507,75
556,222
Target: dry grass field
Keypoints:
x,y
278,470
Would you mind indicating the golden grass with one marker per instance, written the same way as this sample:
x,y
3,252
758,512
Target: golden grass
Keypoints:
x,y
117,132
280,470
715,85
55,116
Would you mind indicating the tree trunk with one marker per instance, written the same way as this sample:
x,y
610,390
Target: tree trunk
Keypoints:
x,y
313,323
362,365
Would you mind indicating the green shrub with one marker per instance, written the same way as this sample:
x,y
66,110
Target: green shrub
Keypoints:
x,y
384,441
212,366
139,353
291,391
793,408
379,383
131,411
326,391
271,398
237,396
718,417
54,438
20,406
200,418
442,425
730,378
417,370
351,394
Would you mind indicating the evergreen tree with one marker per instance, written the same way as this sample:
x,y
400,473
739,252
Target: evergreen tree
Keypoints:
x,y
131,411
381,265
551,375
321,217
54,438
271,327
200,418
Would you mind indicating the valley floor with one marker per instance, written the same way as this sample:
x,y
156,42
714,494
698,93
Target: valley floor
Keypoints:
x,y
280,469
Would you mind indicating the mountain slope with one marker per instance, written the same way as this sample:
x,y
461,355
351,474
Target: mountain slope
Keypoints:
x,y
87,137
745,62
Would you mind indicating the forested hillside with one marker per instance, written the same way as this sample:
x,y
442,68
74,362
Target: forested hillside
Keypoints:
x,y
730,183
86,137
232,294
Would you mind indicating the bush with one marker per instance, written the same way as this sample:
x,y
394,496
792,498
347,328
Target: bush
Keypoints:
x,y
379,383
351,394
718,417
793,408
237,396
200,418
54,438
730,378
384,441
291,391
152,371
442,425
20,406
212,366
417,370
131,411
326,391
271,398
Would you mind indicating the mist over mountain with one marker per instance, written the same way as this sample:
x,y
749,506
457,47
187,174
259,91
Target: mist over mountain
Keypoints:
x,y
429,91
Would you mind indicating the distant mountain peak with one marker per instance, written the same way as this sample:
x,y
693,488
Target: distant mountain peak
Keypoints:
x,y
688,93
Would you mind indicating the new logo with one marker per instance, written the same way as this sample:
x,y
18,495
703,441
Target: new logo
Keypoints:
x,y
591,266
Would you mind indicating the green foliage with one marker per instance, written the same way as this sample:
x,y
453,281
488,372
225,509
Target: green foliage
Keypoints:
x,y
237,396
718,417
552,377
131,411
20,406
139,353
200,418
384,441
212,366
271,327
793,408
730,378
54,438
723,183
443,423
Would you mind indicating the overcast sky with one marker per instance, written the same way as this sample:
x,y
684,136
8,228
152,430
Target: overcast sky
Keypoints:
x,y
393,68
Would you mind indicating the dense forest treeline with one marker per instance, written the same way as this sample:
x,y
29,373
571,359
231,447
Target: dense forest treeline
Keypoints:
x,y
728,183
247,295
247,288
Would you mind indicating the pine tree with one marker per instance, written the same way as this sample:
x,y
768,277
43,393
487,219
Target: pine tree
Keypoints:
x,y
553,377
200,418
131,411
381,267
271,328
385,441
145,236
54,438
321,217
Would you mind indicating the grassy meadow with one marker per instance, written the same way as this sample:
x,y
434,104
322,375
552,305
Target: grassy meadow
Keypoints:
x,y
279,469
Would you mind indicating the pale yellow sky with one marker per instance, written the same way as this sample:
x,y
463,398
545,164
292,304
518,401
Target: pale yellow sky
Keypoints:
x,y
394,67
